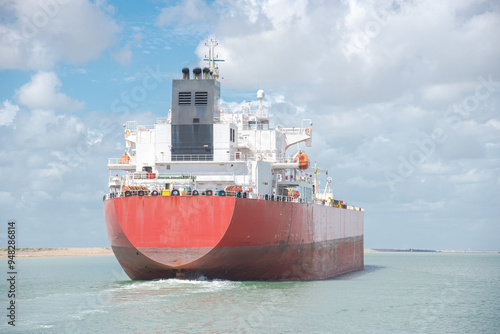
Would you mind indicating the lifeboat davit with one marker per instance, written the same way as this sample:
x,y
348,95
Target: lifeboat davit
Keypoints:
x,y
303,160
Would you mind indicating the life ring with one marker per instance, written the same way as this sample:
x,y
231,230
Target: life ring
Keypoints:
x,y
195,193
128,193
154,193
308,130
140,193
209,193
127,132
222,193
175,192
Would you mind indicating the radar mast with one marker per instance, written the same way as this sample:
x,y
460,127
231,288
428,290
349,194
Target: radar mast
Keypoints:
x,y
212,58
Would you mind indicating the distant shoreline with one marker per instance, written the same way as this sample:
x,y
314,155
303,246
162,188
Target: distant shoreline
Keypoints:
x,y
413,250
58,252
106,251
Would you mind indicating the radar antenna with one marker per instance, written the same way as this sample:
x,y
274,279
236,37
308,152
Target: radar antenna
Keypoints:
x,y
212,58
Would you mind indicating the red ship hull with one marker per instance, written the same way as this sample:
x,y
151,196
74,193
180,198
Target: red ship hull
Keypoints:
x,y
232,238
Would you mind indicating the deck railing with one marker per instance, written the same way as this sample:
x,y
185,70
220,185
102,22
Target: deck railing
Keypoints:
x,y
116,161
238,156
238,194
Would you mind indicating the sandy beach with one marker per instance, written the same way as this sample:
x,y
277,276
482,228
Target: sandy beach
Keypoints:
x,y
106,251
57,252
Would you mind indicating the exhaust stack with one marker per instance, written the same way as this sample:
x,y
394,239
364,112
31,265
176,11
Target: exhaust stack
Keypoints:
x,y
185,73
206,73
197,73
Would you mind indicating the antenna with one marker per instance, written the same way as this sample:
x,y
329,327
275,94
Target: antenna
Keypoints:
x,y
212,58
260,96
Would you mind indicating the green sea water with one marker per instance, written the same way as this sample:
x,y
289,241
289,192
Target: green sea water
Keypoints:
x,y
395,293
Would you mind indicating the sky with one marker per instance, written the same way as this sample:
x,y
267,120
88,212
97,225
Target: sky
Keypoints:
x,y
404,97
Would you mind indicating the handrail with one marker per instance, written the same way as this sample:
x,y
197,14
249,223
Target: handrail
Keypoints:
x,y
116,161
294,130
233,194
192,157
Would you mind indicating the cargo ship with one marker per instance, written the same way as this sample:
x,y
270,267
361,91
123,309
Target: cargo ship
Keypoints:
x,y
225,194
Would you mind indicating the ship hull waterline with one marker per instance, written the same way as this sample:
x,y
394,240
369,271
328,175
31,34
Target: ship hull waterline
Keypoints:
x,y
156,237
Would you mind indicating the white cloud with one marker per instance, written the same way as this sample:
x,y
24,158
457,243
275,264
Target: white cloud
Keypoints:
x,y
398,57
30,199
46,129
447,93
361,182
124,55
42,92
8,113
52,157
188,12
188,20
424,205
436,167
494,123
138,37
6,198
39,34
471,176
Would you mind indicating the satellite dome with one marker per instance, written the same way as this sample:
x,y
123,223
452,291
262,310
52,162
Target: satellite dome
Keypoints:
x,y
260,94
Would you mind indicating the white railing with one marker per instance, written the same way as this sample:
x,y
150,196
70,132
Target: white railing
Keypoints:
x,y
294,131
237,194
229,157
192,157
238,156
132,127
145,127
162,120
203,157
142,176
266,126
116,161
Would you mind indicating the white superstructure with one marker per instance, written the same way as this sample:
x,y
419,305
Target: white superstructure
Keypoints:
x,y
200,149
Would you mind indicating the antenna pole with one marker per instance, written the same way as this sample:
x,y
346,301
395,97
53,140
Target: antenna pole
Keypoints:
x,y
212,57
